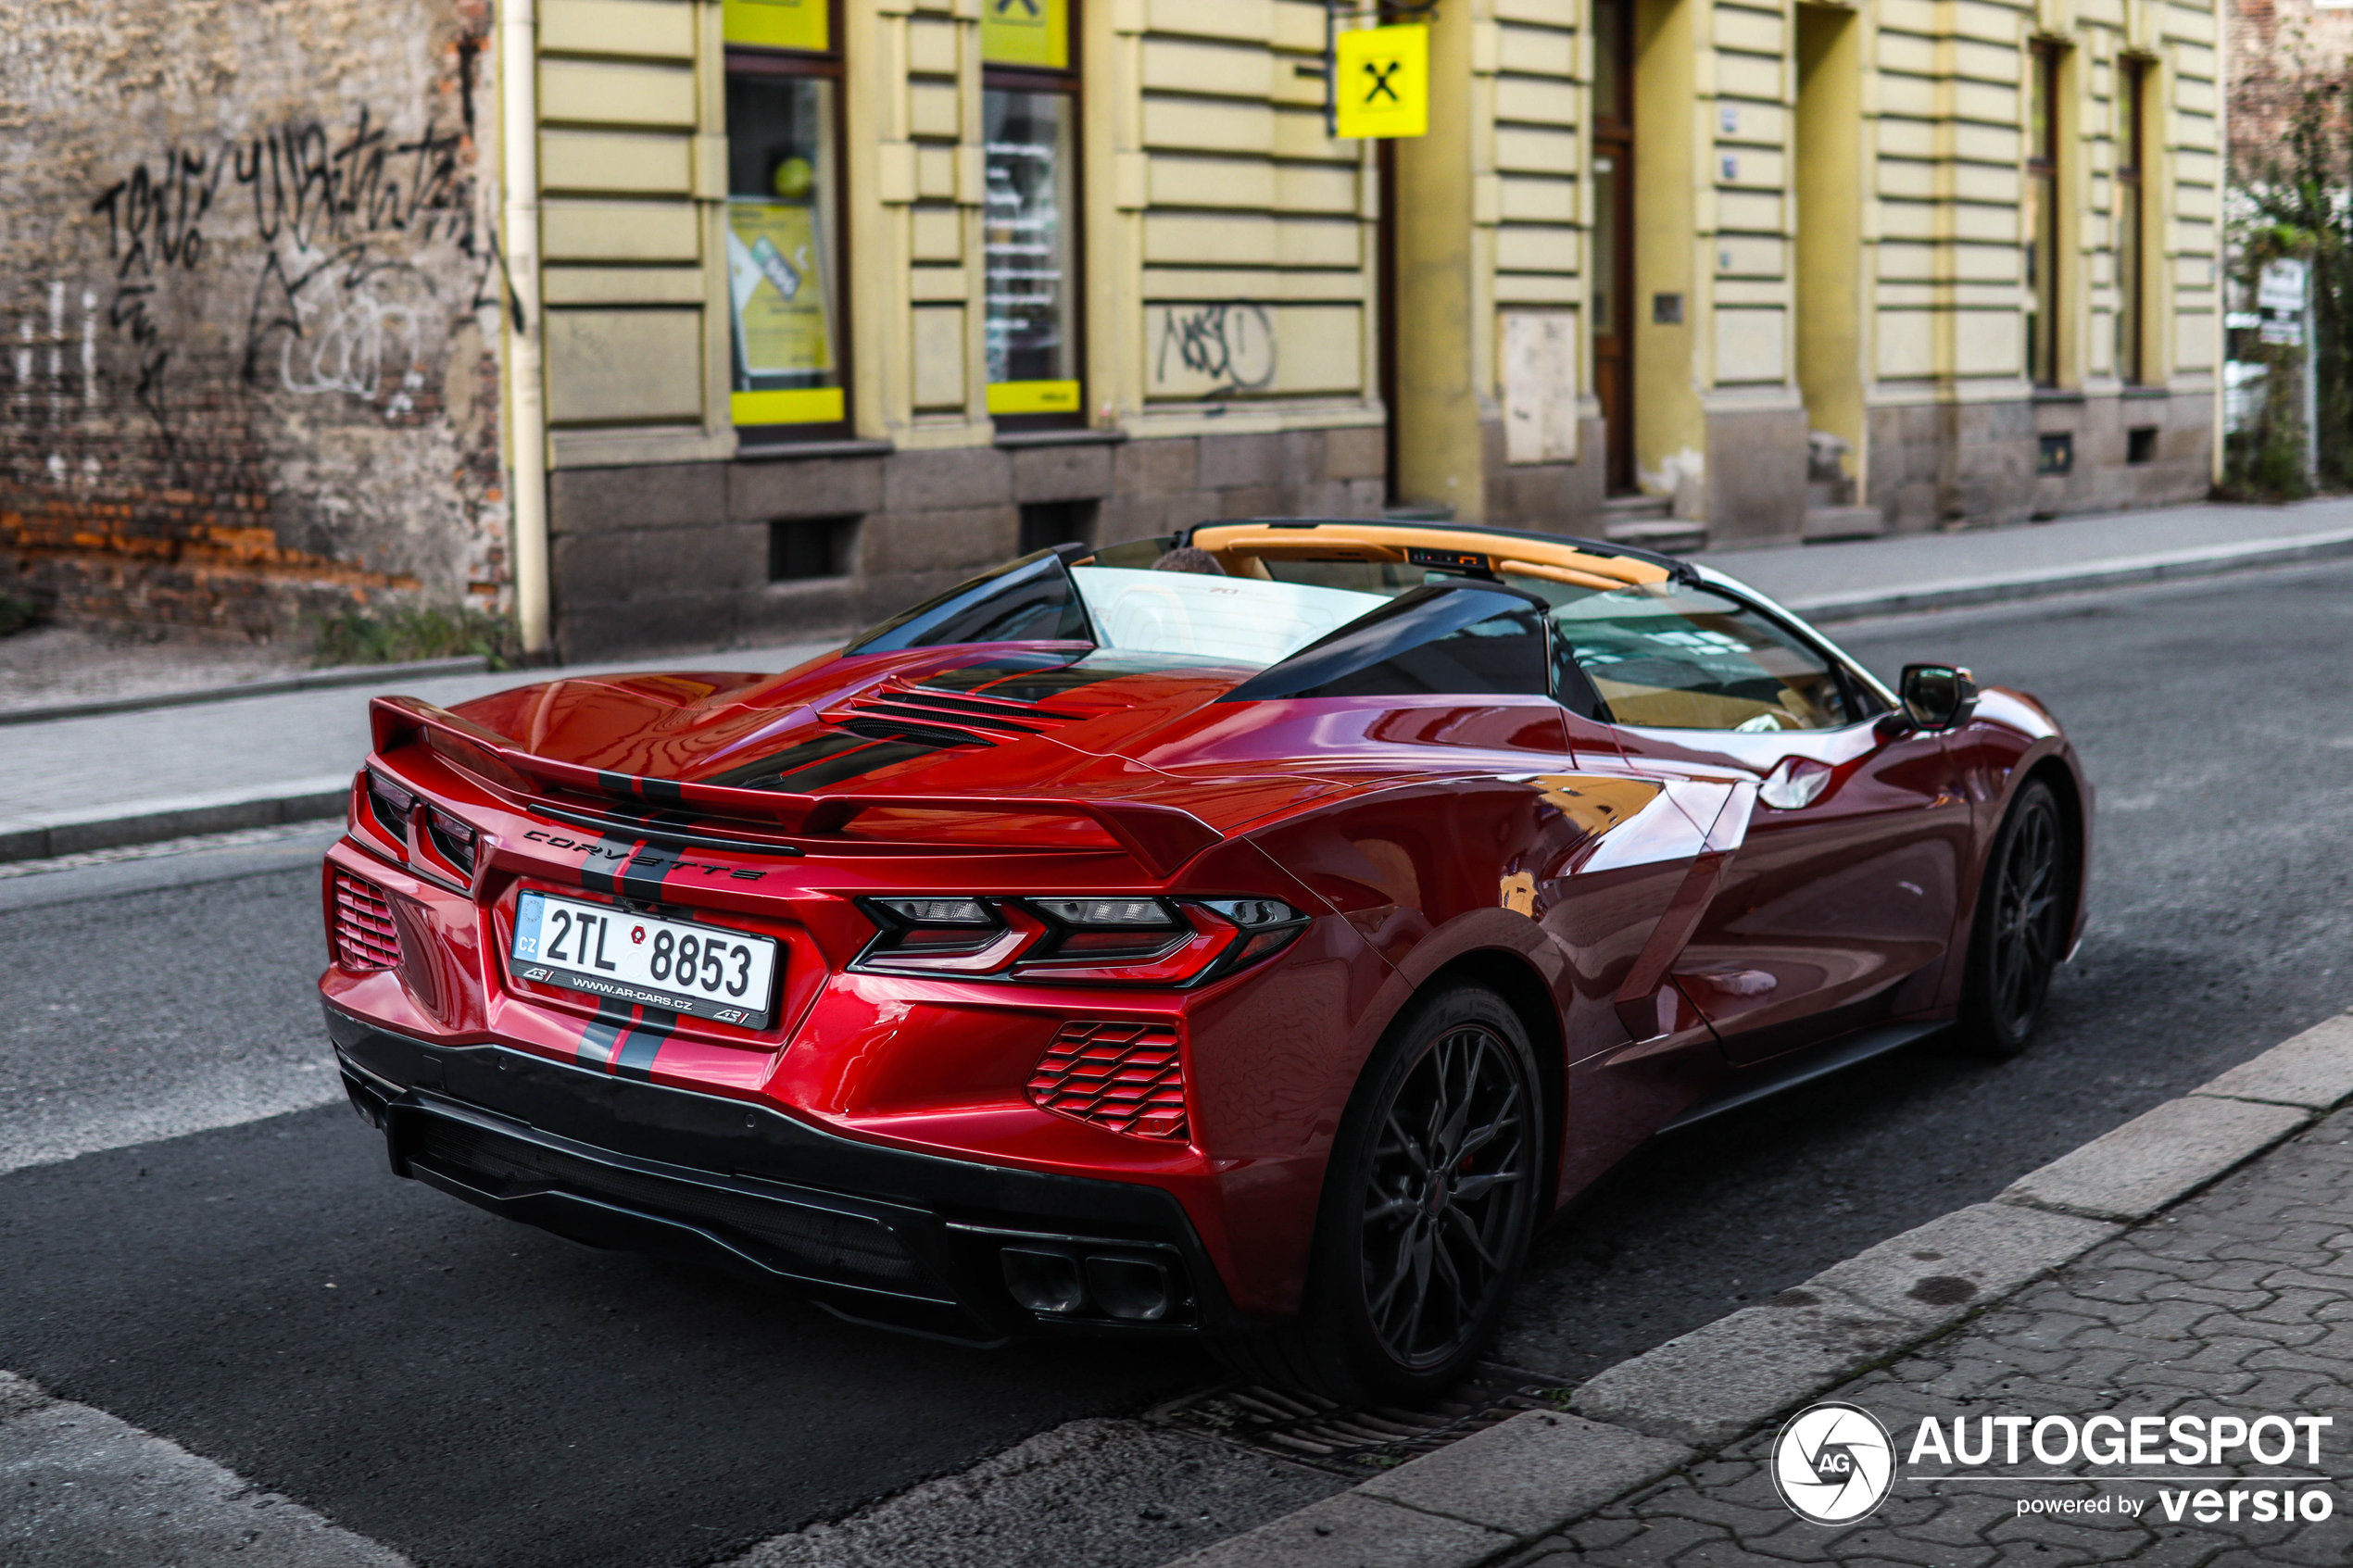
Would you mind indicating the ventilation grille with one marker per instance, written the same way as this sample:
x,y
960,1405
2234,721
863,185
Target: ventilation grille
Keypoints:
x,y
1124,1076
365,936
810,1240
894,710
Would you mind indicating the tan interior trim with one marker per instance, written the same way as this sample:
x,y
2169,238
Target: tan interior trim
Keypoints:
x,y
1384,542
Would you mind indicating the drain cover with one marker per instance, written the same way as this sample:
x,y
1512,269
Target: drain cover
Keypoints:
x,y
1352,1440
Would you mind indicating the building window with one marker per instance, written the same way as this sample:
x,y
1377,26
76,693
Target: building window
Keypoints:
x,y
1045,525
800,548
1029,125
2043,217
785,245
2131,210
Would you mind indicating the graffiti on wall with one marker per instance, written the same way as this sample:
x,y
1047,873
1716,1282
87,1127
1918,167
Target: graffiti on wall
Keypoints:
x,y
1229,346
323,226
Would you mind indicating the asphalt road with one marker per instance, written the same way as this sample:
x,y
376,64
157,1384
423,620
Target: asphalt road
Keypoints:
x,y
260,1290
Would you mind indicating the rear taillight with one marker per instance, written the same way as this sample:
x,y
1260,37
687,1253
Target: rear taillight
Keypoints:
x,y
390,805
362,927
452,840
1121,941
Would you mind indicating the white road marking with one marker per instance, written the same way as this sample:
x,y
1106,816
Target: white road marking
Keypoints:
x,y
78,1486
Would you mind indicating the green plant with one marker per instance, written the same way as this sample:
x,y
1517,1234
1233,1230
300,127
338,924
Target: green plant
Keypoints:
x,y
16,614
2294,205
399,636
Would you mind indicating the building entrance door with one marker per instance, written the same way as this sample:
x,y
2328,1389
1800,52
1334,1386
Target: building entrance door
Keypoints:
x,y
1613,237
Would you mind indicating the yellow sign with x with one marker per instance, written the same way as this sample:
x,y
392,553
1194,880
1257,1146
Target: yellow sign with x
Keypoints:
x,y
1381,81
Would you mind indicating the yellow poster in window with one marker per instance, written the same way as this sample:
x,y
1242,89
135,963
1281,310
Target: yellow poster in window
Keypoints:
x,y
776,282
1026,32
777,24
1380,81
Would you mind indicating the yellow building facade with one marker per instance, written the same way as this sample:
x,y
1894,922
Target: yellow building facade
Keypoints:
x,y
826,303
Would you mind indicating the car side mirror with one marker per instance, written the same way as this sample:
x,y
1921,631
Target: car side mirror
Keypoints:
x,y
1937,697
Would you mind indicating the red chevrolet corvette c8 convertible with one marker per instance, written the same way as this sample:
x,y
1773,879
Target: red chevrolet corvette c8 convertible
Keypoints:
x,y
1252,935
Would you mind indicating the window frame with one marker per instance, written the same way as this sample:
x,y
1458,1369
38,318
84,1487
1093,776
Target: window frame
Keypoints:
x,y
754,60
2045,245
2134,73
1070,82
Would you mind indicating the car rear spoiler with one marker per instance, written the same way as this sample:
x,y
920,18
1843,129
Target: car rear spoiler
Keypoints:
x,y
1161,838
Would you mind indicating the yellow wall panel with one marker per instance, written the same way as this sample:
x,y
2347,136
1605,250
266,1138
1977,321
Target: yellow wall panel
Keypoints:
x,y
938,234
1252,19
1539,51
1759,32
1536,152
1189,124
1751,345
1989,343
934,109
931,46
592,231
1201,182
1539,99
1907,344
1235,241
1179,65
597,161
1539,201
607,93
657,29
608,367
939,357
1527,249
1316,188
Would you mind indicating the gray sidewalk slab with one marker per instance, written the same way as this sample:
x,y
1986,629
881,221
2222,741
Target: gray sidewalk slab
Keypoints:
x,y
1920,570
77,784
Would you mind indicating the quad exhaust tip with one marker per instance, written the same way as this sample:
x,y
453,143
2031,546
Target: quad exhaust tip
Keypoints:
x,y
1056,1282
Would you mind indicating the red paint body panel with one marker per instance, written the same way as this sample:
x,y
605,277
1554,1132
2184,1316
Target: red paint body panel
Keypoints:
x,y
1673,927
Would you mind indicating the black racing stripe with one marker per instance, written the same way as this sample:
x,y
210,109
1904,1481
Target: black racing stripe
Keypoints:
x,y
882,754
617,783
661,792
643,1043
598,1041
768,771
599,872
641,875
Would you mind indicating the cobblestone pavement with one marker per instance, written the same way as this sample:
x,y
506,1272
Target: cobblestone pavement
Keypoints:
x,y
2238,1301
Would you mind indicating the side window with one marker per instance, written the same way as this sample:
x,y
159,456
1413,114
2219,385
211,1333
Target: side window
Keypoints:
x,y
1674,657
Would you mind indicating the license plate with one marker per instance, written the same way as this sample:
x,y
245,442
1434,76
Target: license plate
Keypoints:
x,y
705,971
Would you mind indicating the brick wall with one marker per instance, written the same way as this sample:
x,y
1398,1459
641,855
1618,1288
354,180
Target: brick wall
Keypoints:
x,y
250,304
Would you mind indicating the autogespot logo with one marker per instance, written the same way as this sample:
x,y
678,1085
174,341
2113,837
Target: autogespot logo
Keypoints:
x,y
1832,1464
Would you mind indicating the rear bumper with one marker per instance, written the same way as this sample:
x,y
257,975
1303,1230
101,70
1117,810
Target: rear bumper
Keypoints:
x,y
909,1240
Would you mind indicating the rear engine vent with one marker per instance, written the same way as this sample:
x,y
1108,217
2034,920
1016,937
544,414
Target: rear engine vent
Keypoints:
x,y
1124,1076
364,935
894,711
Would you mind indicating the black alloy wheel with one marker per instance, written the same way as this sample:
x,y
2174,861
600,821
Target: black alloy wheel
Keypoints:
x,y
1452,1170
2023,912
1429,1201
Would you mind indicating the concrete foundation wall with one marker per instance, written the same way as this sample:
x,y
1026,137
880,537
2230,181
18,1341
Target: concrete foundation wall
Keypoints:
x,y
249,293
1977,464
677,555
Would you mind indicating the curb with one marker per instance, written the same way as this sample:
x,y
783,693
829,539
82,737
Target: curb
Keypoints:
x,y
316,679
146,821
2195,561
1500,1490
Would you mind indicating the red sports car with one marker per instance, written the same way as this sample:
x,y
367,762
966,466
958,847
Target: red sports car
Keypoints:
x,y
1252,935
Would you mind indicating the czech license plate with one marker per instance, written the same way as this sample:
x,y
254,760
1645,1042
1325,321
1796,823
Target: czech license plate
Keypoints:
x,y
705,971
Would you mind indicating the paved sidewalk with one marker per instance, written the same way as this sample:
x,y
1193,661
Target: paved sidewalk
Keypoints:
x,y
72,784
2186,1276
1923,570
2240,1302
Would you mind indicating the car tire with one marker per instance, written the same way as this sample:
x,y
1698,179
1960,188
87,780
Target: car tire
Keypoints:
x,y
2024,907
1428,1204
